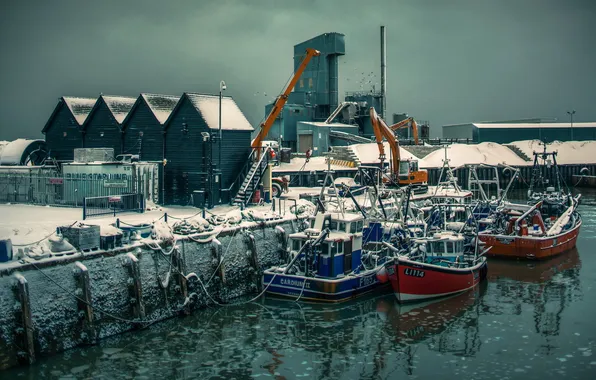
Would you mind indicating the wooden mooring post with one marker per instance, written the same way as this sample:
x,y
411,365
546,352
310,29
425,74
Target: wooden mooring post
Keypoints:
x,y
81,274
24,331
217,260
178,264
135,288
253,259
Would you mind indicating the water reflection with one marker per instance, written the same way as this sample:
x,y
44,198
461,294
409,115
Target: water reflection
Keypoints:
x,y
547,287
374,337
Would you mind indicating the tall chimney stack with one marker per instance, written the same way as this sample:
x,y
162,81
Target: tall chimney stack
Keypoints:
x,y
383,73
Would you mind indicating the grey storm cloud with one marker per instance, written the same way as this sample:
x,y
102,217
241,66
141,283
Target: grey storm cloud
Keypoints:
x,y
448,61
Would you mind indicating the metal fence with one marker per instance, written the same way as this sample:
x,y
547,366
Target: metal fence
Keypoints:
x,y
52,188
112,205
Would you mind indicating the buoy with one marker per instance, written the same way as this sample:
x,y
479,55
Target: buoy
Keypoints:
x,y
382,275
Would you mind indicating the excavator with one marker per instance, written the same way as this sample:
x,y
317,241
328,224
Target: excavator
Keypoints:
x,y
251,180
402,173
405,124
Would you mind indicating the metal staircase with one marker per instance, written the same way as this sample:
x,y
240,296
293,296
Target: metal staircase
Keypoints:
x,y
250,176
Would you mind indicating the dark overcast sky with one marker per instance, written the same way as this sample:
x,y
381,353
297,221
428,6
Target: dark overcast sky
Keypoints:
x,y
448,61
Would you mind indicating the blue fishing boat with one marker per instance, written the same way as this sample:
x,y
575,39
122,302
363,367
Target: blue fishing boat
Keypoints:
x,y
326,263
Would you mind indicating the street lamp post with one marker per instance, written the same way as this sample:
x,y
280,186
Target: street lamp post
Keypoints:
x,y
571,113
222,87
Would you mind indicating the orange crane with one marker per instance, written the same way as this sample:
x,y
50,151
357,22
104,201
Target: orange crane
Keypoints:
x,y
402,172
405,124
281,101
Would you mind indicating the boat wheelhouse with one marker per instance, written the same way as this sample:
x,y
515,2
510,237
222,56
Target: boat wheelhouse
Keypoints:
x,y
326,263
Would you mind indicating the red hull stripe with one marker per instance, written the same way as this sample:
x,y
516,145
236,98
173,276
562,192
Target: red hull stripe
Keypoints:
x,y
416,280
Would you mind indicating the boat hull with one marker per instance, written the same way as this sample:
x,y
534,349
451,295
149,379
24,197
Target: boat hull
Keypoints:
x,y
528,247
322,289
414,281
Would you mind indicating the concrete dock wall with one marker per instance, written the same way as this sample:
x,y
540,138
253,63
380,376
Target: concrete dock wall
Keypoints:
x,y
48,307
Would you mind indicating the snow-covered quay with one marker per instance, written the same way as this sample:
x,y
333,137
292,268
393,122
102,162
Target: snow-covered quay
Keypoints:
x,y
53,298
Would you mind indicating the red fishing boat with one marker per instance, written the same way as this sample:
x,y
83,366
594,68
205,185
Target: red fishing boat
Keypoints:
x,y
520,231
437,266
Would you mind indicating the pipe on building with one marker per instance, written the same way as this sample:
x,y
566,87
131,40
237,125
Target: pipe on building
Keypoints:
x,y
383,73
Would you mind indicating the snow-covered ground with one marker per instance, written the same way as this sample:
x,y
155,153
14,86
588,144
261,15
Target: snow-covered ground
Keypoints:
x,y
300,164
26,224
368,154
483,153
569,152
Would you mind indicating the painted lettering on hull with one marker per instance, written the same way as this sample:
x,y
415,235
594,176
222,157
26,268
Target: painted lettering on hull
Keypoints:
x,y
296,283
366,281
414,272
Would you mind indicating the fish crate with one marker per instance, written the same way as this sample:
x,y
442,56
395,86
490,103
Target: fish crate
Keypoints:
x,y
82,237
110,242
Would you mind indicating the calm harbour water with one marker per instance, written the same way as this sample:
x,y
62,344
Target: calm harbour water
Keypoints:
x,y
528,321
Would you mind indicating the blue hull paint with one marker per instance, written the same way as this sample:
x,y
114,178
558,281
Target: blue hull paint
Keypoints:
x,y
322,289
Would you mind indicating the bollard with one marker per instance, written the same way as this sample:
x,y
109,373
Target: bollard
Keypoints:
x,y
81,274
24,333
135,287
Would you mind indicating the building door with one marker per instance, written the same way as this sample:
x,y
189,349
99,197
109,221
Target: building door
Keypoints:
x,y
304,142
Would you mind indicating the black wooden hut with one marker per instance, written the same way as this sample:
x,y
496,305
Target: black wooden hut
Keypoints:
x,y
144,125
63,129
103,127
192,147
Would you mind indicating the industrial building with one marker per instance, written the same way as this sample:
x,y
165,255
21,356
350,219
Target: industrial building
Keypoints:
x,y
103,126
313,116
316,94
318,136
63,129
192,148
144,124
509,131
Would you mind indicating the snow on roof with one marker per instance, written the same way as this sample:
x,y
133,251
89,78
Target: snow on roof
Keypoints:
x,y
315,163
569,152
368,154
120,106
12,153
330,125
232,117
2,145
484,153
534,125
79,107
161,105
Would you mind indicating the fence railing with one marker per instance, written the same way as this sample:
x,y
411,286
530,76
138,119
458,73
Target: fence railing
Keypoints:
x,y
112,205
52,188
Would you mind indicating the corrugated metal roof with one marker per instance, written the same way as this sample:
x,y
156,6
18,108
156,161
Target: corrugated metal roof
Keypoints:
x,y
79,107
232,117
161,105
534,125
